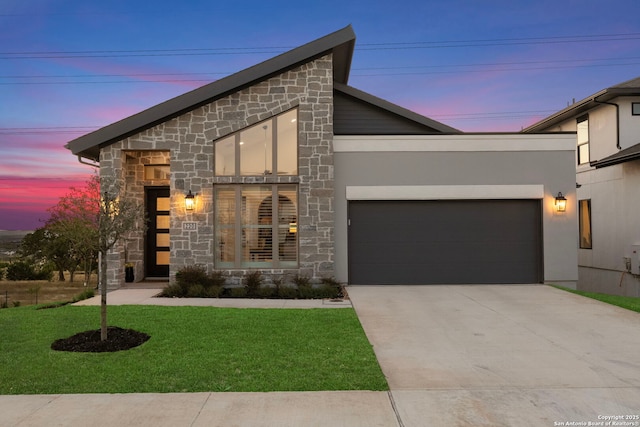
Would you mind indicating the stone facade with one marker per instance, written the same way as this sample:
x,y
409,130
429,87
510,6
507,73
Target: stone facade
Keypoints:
x,y
187,144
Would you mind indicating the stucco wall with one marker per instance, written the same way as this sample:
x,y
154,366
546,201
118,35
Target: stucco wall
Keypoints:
x,y
190,140
470,162
613,192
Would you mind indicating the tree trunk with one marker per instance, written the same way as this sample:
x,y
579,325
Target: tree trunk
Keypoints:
x,y
61,275
103,297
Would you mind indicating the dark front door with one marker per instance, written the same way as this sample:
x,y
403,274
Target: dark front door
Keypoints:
x,y
157,242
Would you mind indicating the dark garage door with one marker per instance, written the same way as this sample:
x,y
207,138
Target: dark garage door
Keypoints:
x,y
445,242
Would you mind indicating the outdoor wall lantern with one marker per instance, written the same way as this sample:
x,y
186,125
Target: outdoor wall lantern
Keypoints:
x,y
561,203
189,201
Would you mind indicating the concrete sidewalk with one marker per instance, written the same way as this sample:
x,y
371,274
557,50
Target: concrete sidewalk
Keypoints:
x,y
148,297
282,409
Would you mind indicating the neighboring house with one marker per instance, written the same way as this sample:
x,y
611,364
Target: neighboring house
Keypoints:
x,y
286,169
608,180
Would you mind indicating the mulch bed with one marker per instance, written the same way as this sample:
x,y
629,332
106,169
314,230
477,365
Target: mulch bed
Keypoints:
x,y
89,341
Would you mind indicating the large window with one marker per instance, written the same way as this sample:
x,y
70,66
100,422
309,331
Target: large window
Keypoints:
x,y
635,108
261,149
583,140
584,216
256,226
256,223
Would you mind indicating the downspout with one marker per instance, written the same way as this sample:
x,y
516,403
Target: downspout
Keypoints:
x,y
617,119
95,165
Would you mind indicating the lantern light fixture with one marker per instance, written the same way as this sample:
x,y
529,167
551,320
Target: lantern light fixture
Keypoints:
x,y
561,203
189,201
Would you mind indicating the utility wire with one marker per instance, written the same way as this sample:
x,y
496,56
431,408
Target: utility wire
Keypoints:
x,y
279,49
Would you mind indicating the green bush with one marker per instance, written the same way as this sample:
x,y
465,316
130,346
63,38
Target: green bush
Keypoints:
x,y
287,292
196,291
193,281
172,291
266,292
86,294
252,283
238,292
25,270
335,287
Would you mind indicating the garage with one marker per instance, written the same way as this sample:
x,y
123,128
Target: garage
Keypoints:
x,y
445,241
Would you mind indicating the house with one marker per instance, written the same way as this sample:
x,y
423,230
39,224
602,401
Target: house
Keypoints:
x,y
607,166
285,168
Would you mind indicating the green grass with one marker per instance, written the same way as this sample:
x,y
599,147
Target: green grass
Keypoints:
x,y
191,349
630,303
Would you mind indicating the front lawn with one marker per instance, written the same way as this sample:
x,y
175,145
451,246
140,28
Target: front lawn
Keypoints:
x,y
630,303
192,349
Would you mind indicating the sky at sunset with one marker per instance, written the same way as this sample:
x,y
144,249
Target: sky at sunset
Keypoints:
x,y
68,67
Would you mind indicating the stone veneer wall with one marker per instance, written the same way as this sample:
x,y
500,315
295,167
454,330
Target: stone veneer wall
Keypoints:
x,y
189,138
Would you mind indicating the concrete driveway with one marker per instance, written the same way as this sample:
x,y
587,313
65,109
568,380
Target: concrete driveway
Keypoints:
x,y
502,355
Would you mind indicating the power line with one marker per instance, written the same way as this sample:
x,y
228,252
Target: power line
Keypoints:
x,y
414,67
280,49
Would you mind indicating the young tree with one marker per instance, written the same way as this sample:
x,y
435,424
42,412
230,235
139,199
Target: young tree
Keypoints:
x,y
118,216
74,220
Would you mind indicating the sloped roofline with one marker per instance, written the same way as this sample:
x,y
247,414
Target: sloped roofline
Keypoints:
x,y
623,156
396,109
341,43
628,88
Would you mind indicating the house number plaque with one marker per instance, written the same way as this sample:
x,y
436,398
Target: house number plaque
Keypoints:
x,y
192,226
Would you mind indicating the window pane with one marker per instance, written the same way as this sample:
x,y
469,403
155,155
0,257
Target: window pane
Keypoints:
x,y
226,156
225,226
583,131
287,223
162,258
162,240
162,221
585,223
635,108
288,143
156,172
256,150
257,223
583,154
163,204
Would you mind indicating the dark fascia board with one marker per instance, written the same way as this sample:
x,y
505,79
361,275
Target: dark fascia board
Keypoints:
x,y
584,105
626,155
341,43
393,108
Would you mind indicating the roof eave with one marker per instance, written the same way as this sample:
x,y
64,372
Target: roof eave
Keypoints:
x,y
582,106
341,43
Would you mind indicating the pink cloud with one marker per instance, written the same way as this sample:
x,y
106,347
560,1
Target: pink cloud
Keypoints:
x,y
24,201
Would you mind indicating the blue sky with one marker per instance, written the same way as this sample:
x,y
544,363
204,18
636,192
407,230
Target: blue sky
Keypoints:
x,y
69,67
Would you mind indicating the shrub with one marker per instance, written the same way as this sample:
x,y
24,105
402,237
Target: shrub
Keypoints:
x,y
196,291
252,283
24,270
86,294
193,281
335,286
302,280
287,292
172,291
266,292
238,292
